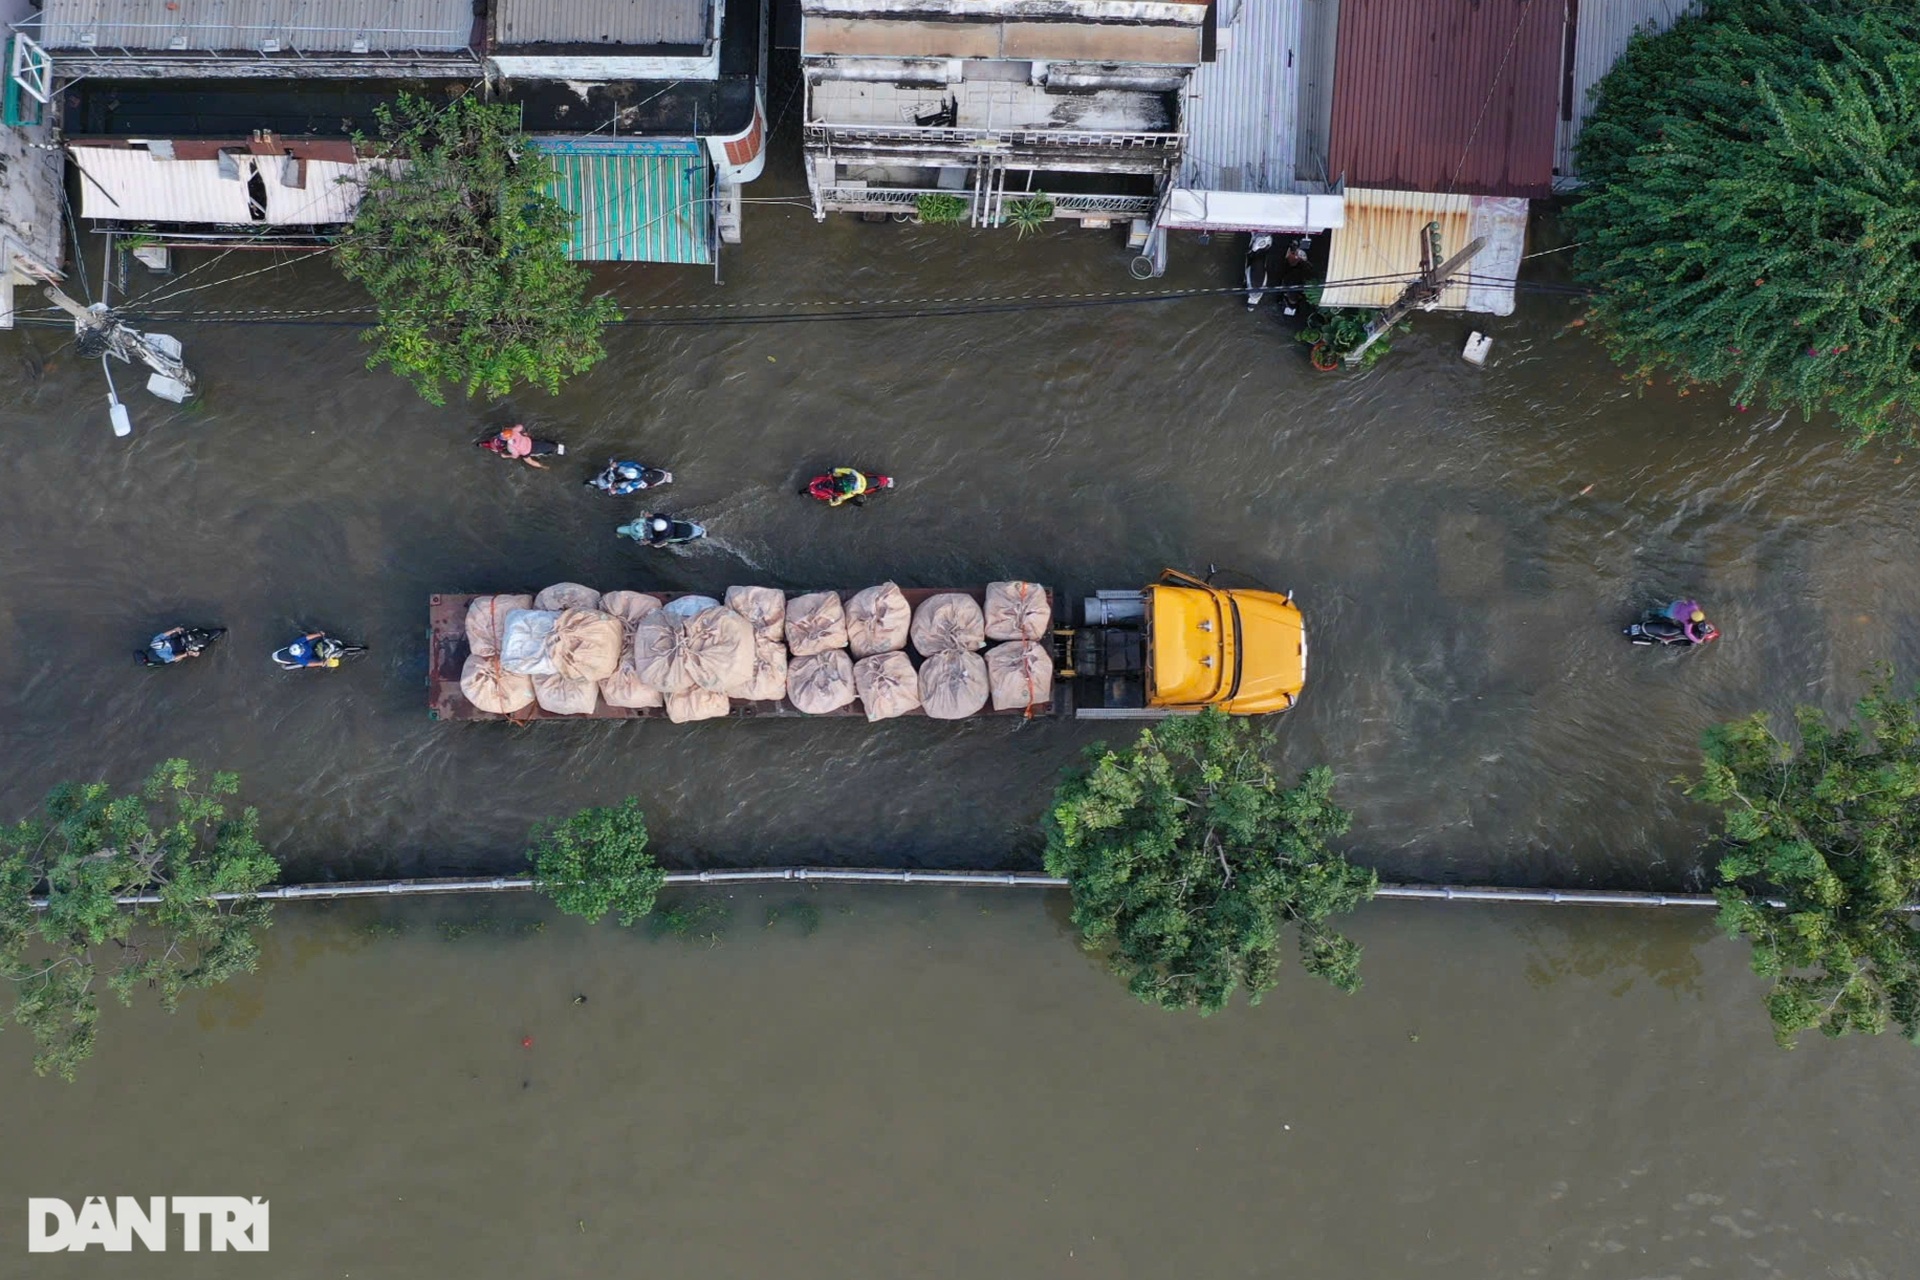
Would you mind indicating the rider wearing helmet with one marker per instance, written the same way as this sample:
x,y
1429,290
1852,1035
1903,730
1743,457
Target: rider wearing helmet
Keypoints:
x,y
842,484
304,652
1693,620
169,646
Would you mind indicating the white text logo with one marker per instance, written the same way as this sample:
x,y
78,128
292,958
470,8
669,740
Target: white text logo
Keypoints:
x,y
218,1223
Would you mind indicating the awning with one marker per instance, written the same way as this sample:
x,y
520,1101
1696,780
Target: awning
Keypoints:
x,y
1377,253
1192,210
638,200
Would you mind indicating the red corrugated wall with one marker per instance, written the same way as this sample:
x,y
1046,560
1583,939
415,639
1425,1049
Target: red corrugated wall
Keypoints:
x,y
1456,96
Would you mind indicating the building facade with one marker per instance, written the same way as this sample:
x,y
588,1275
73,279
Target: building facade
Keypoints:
x,y
991,100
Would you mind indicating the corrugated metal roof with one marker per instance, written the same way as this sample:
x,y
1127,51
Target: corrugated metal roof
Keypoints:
x,y
1380,246
612,22
135,185
1239,112
307,26
1319,29
1602,30
641,201
1448,95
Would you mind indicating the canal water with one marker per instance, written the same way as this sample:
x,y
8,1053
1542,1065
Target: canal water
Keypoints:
x,y
939,1083
1466,544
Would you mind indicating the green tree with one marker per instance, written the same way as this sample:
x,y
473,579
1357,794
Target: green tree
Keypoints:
x,y
465,253
1820,860
596,862
174,842
1187,859
1752,213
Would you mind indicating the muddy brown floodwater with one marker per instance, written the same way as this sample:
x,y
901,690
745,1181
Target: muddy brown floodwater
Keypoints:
x,y
940,1084
1466,544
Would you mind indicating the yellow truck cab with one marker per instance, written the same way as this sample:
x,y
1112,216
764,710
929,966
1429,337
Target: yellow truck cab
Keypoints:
x,y
1181,644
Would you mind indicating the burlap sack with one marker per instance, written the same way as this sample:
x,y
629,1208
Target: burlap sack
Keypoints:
x,y
712,650
629,606
821,682
567,595
764,607
523,642
887,684
769,680
1021,673
701,704
815,624
566,696
494,689
687,606
950,620
953,684
1018,611
877,620
624,688
487,619
586,644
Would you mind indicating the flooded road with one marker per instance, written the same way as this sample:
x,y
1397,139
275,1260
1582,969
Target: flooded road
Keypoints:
x,y
940,1084
1466,544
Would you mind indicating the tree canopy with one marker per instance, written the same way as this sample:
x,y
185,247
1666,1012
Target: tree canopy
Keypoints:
x,y
465,253
1820,849
1752,213
176,841
596,862
1187,860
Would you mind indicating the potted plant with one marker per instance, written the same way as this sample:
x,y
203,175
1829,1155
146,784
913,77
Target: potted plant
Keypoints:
x,y
1031,212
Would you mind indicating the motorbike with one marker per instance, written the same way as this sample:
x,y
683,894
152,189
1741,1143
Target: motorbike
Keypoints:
x,y
1256,271
662,531
826,488
331,652
623,477
194,642
1655,627
496,444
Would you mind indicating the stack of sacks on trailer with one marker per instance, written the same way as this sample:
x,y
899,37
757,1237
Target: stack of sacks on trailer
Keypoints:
x,y
878,622
819,670
483,680
947,629
1020,670
693,651
566,644
765,608
625,688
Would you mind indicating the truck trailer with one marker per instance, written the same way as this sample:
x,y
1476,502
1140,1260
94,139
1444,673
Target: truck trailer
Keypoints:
x,y
1172,647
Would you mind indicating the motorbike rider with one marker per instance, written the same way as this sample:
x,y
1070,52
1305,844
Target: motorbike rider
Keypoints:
x,y
621,478
1693,621
842,484
169,646
515,443
657,528
305,652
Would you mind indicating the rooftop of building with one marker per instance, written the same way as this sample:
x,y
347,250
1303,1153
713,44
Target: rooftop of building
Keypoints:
x,y
224,26
1448,97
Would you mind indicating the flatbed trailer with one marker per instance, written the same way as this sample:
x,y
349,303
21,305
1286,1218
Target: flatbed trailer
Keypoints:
x,y
447,654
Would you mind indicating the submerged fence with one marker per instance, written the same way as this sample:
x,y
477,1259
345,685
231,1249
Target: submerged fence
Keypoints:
x,y
952,879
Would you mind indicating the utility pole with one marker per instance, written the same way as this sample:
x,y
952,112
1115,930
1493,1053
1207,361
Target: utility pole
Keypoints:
x,y
98,332
1423,293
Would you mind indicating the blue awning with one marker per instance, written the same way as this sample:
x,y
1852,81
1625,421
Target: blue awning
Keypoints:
x,y
634,200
